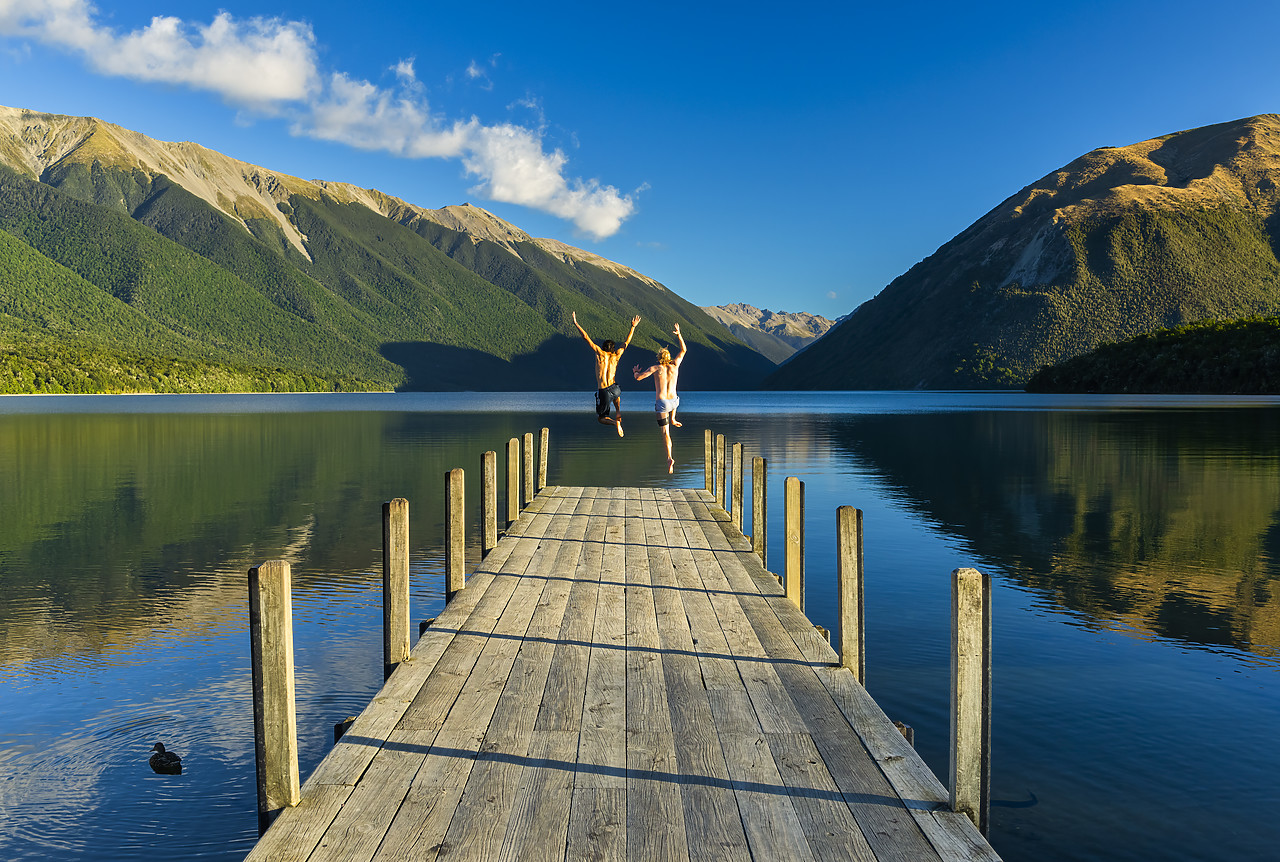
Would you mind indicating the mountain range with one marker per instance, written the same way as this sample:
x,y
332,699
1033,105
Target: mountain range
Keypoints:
x,y
169,256
1120,242
778,335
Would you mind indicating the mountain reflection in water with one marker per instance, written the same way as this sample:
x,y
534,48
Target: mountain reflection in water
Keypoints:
x,y
127,526
1162,522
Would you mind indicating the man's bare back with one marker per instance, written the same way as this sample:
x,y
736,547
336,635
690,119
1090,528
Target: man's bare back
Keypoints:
x,y
664,381
607,367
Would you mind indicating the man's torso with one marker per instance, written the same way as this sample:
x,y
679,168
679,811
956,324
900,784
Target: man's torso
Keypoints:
x,y
606,368
665,381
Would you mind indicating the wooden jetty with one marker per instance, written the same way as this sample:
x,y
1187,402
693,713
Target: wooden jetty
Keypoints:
x,y
620,678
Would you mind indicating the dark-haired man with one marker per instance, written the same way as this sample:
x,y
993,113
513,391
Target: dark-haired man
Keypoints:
x,y
607,356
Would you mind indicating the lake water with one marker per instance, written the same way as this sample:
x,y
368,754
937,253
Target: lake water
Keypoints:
x,y
1134,545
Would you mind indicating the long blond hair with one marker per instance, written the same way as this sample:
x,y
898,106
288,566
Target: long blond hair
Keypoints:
x,y
664,357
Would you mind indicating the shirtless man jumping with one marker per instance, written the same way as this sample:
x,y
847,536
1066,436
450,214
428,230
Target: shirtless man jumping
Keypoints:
x,y
606,368
664,384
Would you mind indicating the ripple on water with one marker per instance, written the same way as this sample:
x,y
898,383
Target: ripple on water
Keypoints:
x,y
102,767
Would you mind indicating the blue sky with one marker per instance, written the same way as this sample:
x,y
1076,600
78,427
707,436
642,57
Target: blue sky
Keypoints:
x,y
796,157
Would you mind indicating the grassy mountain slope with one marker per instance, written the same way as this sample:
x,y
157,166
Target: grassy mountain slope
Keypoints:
x,y
1120,242
223,262
556,280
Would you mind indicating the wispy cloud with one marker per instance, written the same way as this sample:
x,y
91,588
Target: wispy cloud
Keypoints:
x,y
270,67
831,294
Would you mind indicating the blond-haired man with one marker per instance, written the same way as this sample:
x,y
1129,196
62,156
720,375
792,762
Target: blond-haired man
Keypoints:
x,y
666,401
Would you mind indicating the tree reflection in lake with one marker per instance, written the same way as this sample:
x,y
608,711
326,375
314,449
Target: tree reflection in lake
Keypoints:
x,y
1161,521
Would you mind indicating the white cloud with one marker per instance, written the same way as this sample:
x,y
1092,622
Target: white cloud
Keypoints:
x,y
257,63
831,294
514,168
270,66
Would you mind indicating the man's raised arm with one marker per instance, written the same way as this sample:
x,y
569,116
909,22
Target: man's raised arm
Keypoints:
x,y
680,338
635,321
574,315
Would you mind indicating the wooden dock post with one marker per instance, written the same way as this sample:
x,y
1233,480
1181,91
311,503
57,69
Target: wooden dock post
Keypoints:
x,y
720,489
737,485
455,529
544,449
849,575
488,502
707,461
971,695
513,480
528,468
793,515
395,584
275,730
759,510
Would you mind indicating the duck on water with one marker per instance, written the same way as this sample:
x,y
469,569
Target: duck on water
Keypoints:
x,y
165,762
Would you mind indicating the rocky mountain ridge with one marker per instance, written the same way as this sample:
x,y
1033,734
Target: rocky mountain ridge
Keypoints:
x,y
39,144
776,334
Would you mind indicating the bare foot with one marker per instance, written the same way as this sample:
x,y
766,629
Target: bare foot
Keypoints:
x,y
619,427
675,424
671,465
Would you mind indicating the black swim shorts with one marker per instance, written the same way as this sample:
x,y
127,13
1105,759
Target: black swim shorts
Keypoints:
x,y
605,396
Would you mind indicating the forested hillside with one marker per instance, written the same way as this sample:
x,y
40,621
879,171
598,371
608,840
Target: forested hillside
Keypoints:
x,y
128,255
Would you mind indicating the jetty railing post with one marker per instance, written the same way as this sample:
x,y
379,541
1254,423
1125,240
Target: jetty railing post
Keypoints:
x,y
707,461
455,558
513,480
759,510
544,448
720,489
971,695
274,717
488,502
849,574
793,515
736,486
395,584
528,468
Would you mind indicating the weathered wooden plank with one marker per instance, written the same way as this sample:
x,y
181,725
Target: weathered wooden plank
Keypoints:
x,y
562,704
655,813
773,707
597,825
708,637
710,808
824,816
602,757
772,827
646,689
519,667
539,824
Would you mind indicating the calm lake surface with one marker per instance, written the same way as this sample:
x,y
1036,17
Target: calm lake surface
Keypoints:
x,y
1134,544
